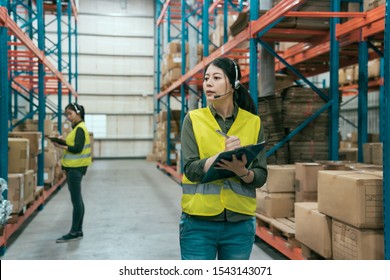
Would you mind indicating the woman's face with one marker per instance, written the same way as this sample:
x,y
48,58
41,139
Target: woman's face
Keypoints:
x,y
216,85
72,116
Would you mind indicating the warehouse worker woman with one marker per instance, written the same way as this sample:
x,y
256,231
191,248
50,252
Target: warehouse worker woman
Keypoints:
x,y
75,161
217,219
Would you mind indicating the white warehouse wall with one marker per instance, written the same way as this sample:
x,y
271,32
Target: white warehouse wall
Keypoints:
x,y
115,73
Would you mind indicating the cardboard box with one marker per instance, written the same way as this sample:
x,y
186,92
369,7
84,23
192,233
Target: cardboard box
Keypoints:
x,y
35,139
50,158
334,164
372,4
29,187
305,183
353,197
280,178
18,155
48,175
33,164
367,153
349,243
306,176
349,154
32,125
15,191
377,153
313,228
275,205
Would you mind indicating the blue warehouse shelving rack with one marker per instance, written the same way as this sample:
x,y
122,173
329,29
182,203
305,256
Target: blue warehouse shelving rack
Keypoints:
x,y
27,73
328,50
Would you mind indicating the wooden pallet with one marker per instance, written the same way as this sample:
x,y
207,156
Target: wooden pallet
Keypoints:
x,y
38,192
284,227
280,234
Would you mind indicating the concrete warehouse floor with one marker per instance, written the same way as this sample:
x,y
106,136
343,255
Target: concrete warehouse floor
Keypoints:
x,y
132,213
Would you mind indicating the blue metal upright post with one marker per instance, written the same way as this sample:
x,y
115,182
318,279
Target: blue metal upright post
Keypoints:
x,y
253,85
41,90
70,63
59,53
76,62
205,37
362,98
386,135
334,93
225,22
4,99
70,41
158,54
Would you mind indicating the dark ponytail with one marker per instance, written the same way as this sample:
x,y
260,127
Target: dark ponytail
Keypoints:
x,y
233,73
244,100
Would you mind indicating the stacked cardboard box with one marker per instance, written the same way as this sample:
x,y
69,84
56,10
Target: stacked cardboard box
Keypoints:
x,y
313,228
311,143
172,62
373,153
354,201
160,143
276,198
305,184
217,35
270,112
312,23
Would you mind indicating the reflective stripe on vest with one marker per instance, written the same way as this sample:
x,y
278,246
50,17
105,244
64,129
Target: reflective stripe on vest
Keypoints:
x,y
80,159
212,198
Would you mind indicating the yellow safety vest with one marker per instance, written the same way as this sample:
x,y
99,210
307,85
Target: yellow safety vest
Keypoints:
x,y
81,159
210,199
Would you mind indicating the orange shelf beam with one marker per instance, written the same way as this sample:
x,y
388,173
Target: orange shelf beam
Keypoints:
x,y
357,23
6,21
326,14
170,170
163,11
293,253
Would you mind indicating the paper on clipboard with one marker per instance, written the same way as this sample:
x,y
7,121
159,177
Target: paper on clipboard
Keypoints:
x,y
251,151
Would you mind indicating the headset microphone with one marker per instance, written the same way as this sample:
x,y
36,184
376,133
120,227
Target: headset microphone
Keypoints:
x,y
220,95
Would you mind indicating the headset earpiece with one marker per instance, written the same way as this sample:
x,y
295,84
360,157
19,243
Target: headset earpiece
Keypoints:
x,y
76,108
236,81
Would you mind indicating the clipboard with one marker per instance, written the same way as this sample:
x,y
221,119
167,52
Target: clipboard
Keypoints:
x,y
58,140
251,151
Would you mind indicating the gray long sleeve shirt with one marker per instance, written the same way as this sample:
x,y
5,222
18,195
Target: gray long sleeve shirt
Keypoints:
x,y
193,165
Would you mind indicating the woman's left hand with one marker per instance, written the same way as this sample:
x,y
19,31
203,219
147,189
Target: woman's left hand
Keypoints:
x,y
235,165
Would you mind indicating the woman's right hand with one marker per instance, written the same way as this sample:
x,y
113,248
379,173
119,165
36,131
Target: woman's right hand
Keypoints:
x,y
232,143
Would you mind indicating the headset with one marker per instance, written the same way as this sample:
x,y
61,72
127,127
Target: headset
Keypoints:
x,y
236,81
76,108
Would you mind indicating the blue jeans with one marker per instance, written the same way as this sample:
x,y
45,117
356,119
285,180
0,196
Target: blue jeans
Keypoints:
x,y
207,240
